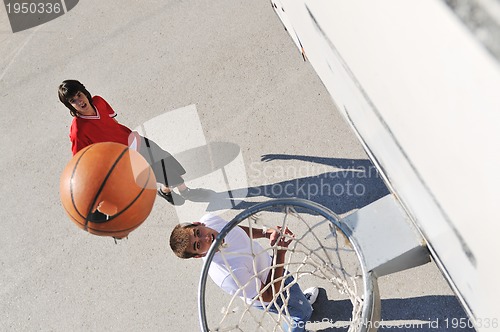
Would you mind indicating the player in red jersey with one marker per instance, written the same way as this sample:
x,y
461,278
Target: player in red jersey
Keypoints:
x,y
94,122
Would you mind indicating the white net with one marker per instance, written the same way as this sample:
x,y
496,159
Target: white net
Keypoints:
x,y
319,254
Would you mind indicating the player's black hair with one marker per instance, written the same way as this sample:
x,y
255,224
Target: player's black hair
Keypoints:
x,y
68,90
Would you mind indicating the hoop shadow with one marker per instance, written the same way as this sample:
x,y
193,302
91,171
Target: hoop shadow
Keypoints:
x,y
417,314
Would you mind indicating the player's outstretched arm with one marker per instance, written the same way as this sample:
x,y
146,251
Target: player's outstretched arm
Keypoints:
x,y
258,233
282,240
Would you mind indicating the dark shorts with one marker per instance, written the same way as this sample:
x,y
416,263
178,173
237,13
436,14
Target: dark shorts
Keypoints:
x,y
168,171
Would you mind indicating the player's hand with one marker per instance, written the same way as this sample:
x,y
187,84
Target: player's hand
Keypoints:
x,y
281,237
107,208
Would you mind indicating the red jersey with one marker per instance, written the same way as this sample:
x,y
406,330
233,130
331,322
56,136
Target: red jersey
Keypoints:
x,y
102,127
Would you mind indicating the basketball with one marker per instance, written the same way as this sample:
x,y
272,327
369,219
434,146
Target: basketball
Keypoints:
x,y
108,189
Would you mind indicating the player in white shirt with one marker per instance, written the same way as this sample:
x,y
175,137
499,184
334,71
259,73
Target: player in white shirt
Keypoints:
x,y
193,240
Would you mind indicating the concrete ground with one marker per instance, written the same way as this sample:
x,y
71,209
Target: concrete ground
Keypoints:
x,y
236,64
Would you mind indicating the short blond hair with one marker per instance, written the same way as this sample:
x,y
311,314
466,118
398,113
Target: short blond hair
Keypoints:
x,y
179,240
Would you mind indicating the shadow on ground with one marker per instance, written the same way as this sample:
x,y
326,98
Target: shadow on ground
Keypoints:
x,y
422,314
355,183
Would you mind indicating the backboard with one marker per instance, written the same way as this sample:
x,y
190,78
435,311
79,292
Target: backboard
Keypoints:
x,y
420,89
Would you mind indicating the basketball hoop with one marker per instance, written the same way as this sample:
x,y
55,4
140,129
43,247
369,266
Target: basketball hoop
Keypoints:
x,y
322,253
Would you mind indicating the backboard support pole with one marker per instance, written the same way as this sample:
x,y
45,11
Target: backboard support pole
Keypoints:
x,y
388,238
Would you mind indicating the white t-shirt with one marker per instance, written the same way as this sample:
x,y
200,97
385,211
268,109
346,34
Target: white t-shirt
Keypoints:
x,y
234,271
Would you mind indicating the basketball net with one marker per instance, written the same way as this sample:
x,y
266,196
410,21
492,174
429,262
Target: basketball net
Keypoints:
x,y
320,255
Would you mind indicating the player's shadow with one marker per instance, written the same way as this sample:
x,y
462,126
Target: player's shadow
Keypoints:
x,y
418,314
347,184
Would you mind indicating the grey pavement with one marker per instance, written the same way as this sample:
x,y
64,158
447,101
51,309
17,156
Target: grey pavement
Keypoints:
x,y
235,62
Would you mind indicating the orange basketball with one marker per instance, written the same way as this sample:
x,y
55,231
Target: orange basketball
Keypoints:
x,y
108,189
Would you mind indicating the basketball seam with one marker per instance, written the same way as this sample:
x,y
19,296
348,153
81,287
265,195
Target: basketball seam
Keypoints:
x,y
71,182
72,217
103,184
134,200
113,231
